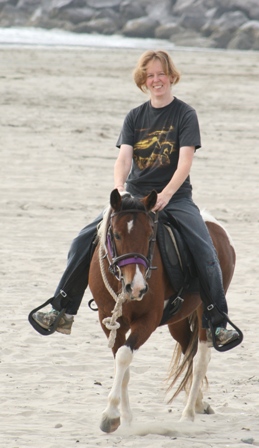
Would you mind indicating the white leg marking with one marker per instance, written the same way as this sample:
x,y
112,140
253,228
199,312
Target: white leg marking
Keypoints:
x,y
126,413
123,359
200,365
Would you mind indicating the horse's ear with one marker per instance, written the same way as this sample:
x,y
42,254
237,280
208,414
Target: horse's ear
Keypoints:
x,y
115,200
150,200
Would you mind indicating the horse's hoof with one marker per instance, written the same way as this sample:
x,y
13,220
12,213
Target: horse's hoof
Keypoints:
x,y
204,408
110,424
187,416
208,410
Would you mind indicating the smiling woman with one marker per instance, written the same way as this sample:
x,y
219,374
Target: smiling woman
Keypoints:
x,y
160,65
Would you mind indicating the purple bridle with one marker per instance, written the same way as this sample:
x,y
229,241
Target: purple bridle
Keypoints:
x,y
117,262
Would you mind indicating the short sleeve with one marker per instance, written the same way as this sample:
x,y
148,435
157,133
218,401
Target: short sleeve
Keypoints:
x,y
189,133
126,136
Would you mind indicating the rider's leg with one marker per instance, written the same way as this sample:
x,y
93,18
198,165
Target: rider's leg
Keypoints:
x,y
74,281
197,237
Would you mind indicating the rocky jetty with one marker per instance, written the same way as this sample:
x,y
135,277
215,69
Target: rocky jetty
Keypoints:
x,y
232,24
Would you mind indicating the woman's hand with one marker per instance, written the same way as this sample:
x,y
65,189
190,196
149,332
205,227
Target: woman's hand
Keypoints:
x,y
183,170
162,200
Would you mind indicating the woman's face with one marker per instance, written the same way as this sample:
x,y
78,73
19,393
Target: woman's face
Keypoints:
x,y
157,82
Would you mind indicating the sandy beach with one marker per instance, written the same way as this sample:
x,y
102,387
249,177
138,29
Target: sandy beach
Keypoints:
x,y
61,111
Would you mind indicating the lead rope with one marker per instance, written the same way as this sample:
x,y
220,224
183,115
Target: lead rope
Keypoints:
x,y
111,322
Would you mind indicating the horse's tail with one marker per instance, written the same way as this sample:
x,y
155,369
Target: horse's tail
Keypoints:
x,y
184,363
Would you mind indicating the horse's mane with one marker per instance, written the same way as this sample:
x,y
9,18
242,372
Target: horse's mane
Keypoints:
x,y
127,203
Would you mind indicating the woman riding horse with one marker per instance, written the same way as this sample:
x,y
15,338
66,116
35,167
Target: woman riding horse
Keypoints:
x,y
157,145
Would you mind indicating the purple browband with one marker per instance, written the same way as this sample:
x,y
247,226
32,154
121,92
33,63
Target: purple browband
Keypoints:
x,y
132,260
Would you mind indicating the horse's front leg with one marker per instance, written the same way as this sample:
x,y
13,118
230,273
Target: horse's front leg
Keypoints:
x,y
119,393
200,365
126,414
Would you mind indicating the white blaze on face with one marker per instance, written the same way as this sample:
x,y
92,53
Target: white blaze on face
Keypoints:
x,y
130,225
138,283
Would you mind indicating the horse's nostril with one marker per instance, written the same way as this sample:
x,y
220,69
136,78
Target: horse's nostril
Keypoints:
x,y
143,291
128,288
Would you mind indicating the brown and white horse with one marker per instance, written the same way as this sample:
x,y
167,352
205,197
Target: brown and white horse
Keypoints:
x,y
129,299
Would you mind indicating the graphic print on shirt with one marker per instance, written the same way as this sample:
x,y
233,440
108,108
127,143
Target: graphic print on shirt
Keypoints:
x,y
154,148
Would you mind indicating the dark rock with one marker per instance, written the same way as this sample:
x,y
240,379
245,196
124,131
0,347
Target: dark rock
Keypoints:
x,y
103,3
111,14
248,7
59,4
142,27
184,7
192,14
167,30
28,4
101,26
227,25
246,37
190,38
10,2
159,11
129,11
45,22
56,6
11,16
193,20
146,3
75,15
228,22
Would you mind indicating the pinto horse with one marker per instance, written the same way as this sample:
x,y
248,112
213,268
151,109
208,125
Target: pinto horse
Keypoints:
x,y
130,288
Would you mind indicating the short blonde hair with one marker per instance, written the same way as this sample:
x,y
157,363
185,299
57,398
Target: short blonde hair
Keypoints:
x,y
140,72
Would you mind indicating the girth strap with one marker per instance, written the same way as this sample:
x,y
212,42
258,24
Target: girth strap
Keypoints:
x,y
173,306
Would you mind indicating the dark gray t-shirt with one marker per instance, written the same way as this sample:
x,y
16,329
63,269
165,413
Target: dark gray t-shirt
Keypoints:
x,y
156,135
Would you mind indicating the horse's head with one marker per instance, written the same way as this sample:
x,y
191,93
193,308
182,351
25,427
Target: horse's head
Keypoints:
x,y
129,241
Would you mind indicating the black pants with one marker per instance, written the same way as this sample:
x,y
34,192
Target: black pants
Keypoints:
x,y
74,281
193,229
199,242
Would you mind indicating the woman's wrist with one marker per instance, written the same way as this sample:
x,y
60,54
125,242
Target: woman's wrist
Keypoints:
x,y
120,187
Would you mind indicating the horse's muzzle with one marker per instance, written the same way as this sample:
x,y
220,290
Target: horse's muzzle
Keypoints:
x,y
135,293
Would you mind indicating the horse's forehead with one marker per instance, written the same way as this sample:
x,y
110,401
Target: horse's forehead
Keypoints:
x,y
131,220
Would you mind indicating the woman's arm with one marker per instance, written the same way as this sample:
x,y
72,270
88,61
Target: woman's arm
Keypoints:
x,y
183,170
122,166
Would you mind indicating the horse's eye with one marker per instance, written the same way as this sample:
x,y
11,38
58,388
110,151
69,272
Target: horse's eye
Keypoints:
x,y
116,236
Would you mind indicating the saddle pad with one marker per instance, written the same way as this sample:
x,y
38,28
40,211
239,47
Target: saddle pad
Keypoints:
x,y
176,257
